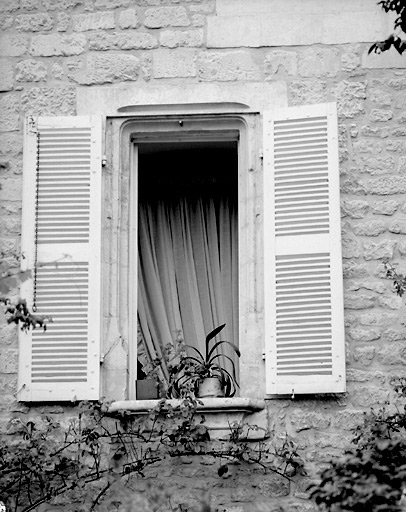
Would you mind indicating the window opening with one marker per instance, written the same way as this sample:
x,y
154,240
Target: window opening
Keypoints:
x,y
187,245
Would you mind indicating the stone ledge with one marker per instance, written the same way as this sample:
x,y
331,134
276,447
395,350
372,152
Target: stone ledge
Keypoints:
x,y
244,405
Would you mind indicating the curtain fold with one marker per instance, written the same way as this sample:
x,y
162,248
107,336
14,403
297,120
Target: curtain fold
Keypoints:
x,y
188,271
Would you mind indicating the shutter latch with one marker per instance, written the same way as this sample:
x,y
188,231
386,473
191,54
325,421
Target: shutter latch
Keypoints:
x,y
293,394
104,161
31,125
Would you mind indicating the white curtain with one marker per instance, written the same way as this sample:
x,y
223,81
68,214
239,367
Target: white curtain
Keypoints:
x,y
187,272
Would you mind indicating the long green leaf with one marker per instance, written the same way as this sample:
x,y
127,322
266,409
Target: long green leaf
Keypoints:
x,y
198,351
212,335
236,350
229,358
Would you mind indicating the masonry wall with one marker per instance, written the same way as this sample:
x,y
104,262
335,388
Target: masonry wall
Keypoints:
x,y
51,49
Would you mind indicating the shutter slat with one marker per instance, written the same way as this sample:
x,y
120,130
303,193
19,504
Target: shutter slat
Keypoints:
x,y
303,296
62,363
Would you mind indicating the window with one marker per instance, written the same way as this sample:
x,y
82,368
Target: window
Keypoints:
x,y
289,297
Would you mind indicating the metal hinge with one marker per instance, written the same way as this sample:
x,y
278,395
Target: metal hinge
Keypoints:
x,y
31,124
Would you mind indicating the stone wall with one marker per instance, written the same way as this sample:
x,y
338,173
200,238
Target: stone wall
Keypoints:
x,y
51,49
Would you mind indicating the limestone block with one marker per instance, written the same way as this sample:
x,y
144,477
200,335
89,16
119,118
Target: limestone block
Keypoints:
x,y
380,97
128,41
29,5
8,360
377,165
111,4
6,75
357,334
109,68
128,19
348,419
354,375
391,302
402,165
393,354
397,146
387,185
375,131
374,286
395,334
6,21
370,228
9,5
178,63
10,226
57,45
273,486
368,396
9,113
146,67
13,45
378,115
399,84
158,17
198,20
350,98
307,92
8,334
49,101
30,70
354,186
227,66
385,207
318,62
368,146
389,59
304,420
11,144
33,22
93,21
364,355
61,5
398,226
359,301
62,22
279,62
350,247
398,131
379,250
354,208
57,71
352,269
175,38
350,58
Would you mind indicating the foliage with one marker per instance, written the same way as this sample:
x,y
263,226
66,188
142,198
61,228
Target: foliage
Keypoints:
x,y
399,280
193,369
97,461
395,40
372,475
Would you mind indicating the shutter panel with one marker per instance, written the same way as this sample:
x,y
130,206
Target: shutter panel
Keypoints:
x,y
62,155
304,324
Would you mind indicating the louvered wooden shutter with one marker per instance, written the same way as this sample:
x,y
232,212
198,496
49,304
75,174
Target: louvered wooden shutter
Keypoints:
x,y
62,189
304,326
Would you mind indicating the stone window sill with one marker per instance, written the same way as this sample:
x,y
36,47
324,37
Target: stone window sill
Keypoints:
x,y
218,414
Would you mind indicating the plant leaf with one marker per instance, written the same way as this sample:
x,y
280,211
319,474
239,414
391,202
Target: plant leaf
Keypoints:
x,y
236,350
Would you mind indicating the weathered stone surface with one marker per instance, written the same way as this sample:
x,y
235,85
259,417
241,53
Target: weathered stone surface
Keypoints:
x,y
29,5
9,5
364,355
57,45
379,319
374,286
111,4
178,63
350,58
307,92
11,144
187,38
8,360
49,101
358,301
350,98
8,334
393,334
109,68
127,41
34,22
6,75
61,5
146,67
385,207
62,22
391,302
397,146
393,354
348,419
402,165
398,226
303,420
274,487
350,247
318,62
93,21
379,250
378,115
399,131
57,71
377,165
387,185
13,45
198,20
165,17
399,84
358,334
353,269
375,131
9,113
280,62
128,19
368,396
354,208
354,186
354,375
368,146
30,70
227,66
370,228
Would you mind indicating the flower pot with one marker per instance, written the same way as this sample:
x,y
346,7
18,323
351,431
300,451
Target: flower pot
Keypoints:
x,y
210,387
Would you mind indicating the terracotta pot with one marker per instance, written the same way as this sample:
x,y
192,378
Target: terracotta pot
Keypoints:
x,y
210,387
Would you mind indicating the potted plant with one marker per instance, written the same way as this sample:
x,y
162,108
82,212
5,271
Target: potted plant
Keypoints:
x,y
203,374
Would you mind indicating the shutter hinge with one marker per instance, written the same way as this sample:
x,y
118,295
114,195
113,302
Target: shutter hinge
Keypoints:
x,y
31,124
104,161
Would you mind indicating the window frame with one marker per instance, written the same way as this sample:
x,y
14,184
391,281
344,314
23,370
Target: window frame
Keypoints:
x,y
122,134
